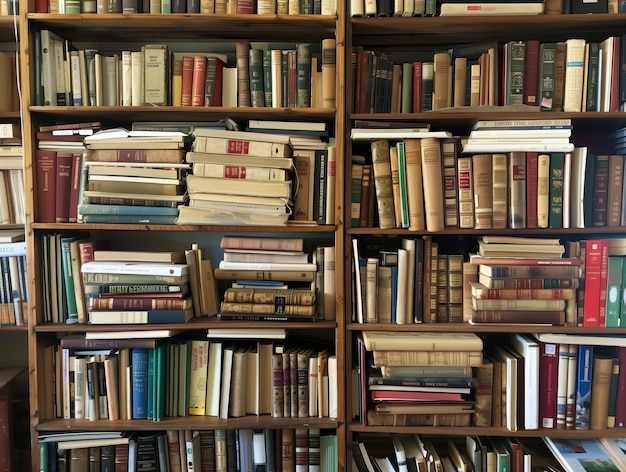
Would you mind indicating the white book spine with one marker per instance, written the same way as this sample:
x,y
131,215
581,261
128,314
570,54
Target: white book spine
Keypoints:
x,y
136,59
127,78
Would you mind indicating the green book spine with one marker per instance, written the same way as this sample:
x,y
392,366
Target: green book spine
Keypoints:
x,y
613,393
257,87
547,64
303,68
404,199
515,54
622,308
355,213
555,217
407,88
166,6
267,78
68,284
613,292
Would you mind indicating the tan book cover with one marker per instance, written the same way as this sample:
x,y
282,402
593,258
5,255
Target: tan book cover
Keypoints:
x,y
395,185
240,147
430,358
243,74
239,385
269,296
329,76
574,74
543,190
196,184
406,341
278,395
483,193
381,162
442,70
267,309
156,73
466,192
414,183
600,386
432,178
500,185
384,294
614,203
145,155
475,72
198,377
419,419
559,77
484,394
460,78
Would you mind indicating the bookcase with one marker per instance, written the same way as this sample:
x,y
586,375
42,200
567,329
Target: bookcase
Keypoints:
x,y
403,40
182,32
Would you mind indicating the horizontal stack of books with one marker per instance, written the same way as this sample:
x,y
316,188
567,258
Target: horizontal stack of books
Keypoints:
x,y
524,280
133,177
129,287
282,297
238,178
418,380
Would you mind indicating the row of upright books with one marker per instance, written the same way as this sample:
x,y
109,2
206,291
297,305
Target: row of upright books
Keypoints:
x,y
528,382
13,280
207,175
218,377
187,450
573,75
301,76
493,179
580,283
239,7
417,451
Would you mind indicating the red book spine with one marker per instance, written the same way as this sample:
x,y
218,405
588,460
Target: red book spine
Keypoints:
x,y
46,186
532,159
77,159
604,276
112,303
41,6
292,77
548,382
417,87
517,457
620,406
615,72
531,68
219,79
593,269
245,7
187,82
198,80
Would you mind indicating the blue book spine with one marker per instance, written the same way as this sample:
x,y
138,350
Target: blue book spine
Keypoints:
x,y
151,390
264,283
139,363
394,293
93,209
583,386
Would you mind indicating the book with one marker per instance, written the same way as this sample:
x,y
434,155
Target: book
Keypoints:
x,y
471,9
398,341
381,164
575,454
139,316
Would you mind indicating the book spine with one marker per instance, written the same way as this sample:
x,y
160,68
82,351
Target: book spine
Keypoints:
x,y
243,74
383,183
483,194
583,386
257,86
561,396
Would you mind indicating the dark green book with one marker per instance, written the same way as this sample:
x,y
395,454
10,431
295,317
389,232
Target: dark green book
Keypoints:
x,y
547,68
267,78
257,87
147,452
303,69
555,217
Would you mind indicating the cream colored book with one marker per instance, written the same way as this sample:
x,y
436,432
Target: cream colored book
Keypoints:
x,y
329,76
543,190
225,171
432,178
241,147
497,9
239,160
196,184
427,358
466,192
574,75
500,189
414,183
156,72
483,193
435,341
395,185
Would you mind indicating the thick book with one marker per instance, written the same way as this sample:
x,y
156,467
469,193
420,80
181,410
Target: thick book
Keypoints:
x,y
381,162
400,341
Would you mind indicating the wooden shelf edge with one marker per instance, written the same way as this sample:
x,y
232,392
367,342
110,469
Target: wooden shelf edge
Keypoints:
x,y
187,422
190,228
605,231
483,328
488,431
192,325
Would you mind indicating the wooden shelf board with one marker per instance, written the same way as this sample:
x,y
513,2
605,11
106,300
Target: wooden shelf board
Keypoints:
x,y
148,227
605,232
169,113
186,422
197,323
482,328
116,27
488,431
414,31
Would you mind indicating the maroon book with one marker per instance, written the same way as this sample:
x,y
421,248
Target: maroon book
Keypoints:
x,y
187,81
417,87
531,71
46,186
198,81
548,384
77,159
63,185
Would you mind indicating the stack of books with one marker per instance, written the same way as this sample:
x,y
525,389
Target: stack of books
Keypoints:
x,y
279,298
130,287
133,176
418,379
238,178
523,280
528,135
